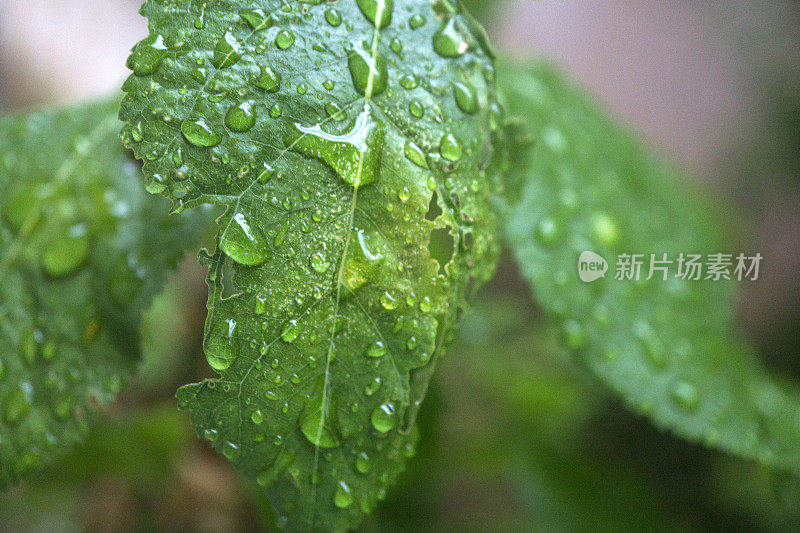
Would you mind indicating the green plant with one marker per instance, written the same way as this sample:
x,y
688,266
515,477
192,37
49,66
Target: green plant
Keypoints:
x,y
366,169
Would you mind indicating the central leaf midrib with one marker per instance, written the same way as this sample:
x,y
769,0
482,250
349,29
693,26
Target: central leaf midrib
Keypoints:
x,y
381,5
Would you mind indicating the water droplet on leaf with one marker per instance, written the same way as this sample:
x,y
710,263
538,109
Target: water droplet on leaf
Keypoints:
x,y
244,243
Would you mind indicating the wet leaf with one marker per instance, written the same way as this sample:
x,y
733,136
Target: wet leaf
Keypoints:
x,y
668,347
82,252
327,309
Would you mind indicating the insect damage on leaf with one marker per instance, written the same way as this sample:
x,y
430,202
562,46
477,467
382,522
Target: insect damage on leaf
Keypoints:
x,y
667,346
83,250
352,144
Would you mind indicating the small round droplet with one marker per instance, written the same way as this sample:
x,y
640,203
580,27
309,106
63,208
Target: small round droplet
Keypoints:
x,y
363,464
369,74
241,118
148,55
267,79
448,41
343,497
290,332
383,417
376,349
334,17
243,243
389,301
451,148
466,98
222,345
284,39
65,250
199,133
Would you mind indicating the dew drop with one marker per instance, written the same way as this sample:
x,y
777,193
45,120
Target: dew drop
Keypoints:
x,y
448,41
416,21
148,55
369,74
415,154
319,262
376,349
379,12
451,148
222,345
241,118
466,98
244,243
334,17
383,417
416,109
355,156
343,497
257,19
290,332
199,133
362,261
685,395
227,51
363,464
267,79
284,39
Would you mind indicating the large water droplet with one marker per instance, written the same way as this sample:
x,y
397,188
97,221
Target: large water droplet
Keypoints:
x,y
199,133
342,497
222,345
267,79
241,118
318,432
244,243
257,19
466,98
376,349
65,250
448,41
284,39
451,148
147,55
334,17
227,51
362,260
383,417
379,12
355,156
415,154
369,73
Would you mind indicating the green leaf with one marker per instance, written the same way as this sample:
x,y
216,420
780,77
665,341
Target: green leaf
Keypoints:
x,y
341,149
669,348
82,252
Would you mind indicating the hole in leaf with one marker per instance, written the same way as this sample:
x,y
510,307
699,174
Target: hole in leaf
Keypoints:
x,y
434,210
228,288
442,245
